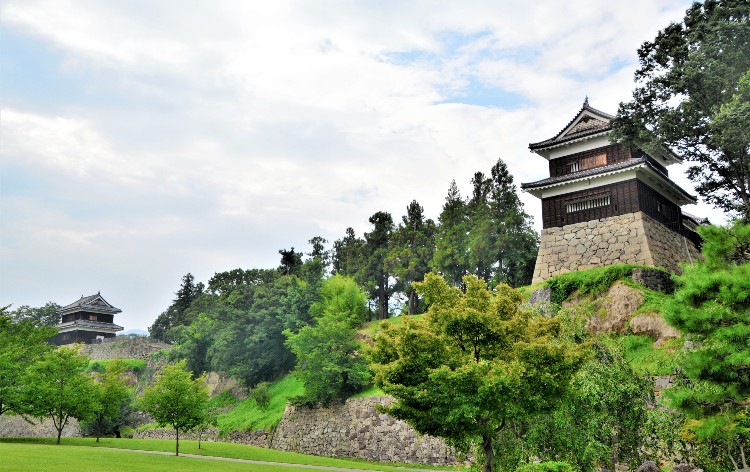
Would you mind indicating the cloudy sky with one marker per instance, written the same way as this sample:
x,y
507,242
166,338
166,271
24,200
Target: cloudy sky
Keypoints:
x,y
142,140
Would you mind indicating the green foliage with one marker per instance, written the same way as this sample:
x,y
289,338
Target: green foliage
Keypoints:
x,y
223,400
489,235
46,315
547,467
328,355
55,386
177,313
99,366
111,399
644,358
375,276
248,416
21,342
599,422
261,395
692,96
476,363
177,400
291,262
502,243
451,238
587,282
412,248
348,254
711,306
238,325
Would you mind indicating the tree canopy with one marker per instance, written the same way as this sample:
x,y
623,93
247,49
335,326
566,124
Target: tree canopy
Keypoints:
x,y
692,96
176,400
329,360
21,343
474,363
56,387
712,306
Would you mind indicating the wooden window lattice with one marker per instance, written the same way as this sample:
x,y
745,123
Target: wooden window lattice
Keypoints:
x,y
588,203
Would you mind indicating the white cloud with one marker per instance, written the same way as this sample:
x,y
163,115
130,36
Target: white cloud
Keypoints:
x,y
207,135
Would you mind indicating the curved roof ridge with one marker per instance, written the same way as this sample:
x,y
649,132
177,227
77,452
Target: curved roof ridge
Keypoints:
x,y
558,137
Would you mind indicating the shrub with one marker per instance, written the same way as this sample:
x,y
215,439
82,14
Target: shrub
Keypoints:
x,y
547,467
261,395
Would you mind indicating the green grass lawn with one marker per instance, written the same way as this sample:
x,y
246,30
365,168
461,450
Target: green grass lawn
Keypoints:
x,y
23,457
216,449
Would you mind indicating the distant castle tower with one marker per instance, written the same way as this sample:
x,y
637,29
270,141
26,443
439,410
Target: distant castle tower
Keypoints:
x,y
604,204
88,320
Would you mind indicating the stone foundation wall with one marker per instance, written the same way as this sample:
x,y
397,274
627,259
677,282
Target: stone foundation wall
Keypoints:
x,y
668,249
136,348
352,429
12,426
633,238
357,429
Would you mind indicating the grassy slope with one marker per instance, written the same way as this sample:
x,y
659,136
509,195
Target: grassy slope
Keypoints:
x,y
247,415
214,449
639,351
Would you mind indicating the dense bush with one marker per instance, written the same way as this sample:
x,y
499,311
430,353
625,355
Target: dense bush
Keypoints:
x,y
547,467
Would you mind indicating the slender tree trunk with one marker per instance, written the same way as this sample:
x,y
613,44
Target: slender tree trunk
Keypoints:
x,y
177,442
489,452
383,301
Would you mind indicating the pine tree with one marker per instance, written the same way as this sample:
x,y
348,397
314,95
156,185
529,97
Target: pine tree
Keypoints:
x,y
451,238
413,245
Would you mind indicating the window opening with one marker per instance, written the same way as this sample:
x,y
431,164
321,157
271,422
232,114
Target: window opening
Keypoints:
x,y
588,203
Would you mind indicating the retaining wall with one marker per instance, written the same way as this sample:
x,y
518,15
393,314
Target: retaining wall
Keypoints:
x,y
352,429
633,238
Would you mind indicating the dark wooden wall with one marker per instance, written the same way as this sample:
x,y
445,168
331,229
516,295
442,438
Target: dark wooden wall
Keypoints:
x,y
615,153
659,208
625,197
85,315
79,336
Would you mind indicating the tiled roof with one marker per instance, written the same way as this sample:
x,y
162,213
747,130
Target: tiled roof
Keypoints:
x,y
582,129
585,173
697,220
71,325
631,163
91,302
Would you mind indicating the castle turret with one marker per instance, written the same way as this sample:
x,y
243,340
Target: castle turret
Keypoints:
x,y
606,204
88,320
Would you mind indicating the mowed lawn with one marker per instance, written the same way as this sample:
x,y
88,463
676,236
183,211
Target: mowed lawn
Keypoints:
x,y
21,457
43,454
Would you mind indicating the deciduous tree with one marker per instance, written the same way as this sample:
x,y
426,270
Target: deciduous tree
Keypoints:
x,y
46,315
21,343
690,96
476,362
177,400
329,360
110,398
56,387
